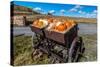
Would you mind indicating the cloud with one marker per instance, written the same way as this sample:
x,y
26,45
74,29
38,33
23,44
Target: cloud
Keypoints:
x,y
78,6
62,11
88,15
75,8
81,12
52,11
95,11
37,9
91,15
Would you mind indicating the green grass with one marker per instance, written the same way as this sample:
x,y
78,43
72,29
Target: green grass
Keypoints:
x,y
90,53
23,50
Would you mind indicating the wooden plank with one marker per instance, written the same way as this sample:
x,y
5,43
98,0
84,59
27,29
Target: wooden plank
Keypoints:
x,y
52,54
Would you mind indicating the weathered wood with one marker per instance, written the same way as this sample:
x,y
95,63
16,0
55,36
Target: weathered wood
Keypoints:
x,y
65,38
52,54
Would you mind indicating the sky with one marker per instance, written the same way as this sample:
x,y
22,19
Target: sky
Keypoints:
x,y
72,10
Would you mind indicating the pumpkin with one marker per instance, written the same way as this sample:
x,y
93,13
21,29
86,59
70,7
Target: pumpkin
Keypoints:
x,y
50,20
73,22
61,27
35,22
38,23
68,24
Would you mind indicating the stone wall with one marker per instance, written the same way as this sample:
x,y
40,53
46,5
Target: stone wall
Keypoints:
x,y
18,20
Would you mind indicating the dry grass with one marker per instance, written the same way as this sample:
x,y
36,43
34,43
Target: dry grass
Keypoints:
x,y
23,50
77,19
90,53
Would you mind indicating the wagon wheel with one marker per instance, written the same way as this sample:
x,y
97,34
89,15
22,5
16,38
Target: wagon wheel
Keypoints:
x,y
76,53
80,49
77,48
71,50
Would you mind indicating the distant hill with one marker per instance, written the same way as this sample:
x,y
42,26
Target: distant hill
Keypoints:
x,y
21,10
80,19
77,19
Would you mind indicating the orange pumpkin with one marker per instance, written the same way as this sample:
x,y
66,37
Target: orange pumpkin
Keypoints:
x,y
35,22
73,22
38,23
61,27
68,24
50,20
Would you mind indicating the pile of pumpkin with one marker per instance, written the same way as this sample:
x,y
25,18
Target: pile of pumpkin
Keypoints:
x,y
54,24
40,23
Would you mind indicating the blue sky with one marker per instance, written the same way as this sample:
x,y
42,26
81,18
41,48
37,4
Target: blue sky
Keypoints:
x,y
72,10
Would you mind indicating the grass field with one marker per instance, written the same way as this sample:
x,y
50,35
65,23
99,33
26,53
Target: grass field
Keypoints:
x,y
90,53
23,50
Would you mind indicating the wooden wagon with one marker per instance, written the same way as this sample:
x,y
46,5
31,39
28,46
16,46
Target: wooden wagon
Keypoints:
x,y
69,41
